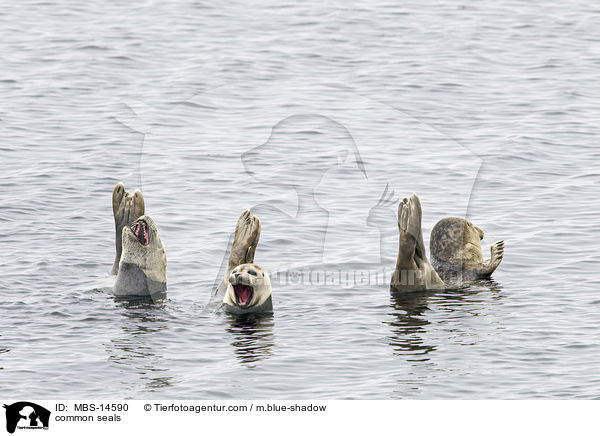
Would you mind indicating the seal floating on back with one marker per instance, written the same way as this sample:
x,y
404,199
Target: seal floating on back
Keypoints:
x,y
455,247
248,284
141,262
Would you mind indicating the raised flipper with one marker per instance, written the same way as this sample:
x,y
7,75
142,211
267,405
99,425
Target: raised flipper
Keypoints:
x,y
413,270
245,240
490,265
409,224
126,209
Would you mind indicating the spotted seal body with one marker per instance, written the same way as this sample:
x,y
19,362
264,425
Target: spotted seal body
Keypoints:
x,y
456,250
248,285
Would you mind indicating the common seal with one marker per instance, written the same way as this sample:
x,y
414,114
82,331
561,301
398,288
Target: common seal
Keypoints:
x,y
248,284
456,250
141,262
126,209
143,265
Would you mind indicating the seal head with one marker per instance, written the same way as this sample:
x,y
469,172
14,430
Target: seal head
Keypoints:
x,y
456,250
248,289
143,265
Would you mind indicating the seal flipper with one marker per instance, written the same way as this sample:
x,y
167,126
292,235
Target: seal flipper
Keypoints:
x,y
413,270
247,233
126,209
409,226
497,253
117,196
415,228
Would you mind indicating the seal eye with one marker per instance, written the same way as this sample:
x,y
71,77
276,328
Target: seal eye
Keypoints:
x,y
252,272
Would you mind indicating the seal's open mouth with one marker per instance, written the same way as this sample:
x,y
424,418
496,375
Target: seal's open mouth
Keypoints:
x,y
243,294
140,230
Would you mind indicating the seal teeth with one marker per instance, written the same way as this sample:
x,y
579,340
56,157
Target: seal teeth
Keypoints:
x,y
140,230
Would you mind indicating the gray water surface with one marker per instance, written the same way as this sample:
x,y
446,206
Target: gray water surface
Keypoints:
x,y
320,117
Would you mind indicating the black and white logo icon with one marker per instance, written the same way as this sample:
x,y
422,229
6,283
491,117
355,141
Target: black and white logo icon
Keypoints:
x,y
26,415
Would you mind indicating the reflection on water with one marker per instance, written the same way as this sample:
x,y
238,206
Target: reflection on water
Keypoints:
x,y
142,319
252,336
412,322
410,325
143,315
491,285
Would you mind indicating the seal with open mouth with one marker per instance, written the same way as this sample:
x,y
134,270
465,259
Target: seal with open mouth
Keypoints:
x,y
455,247
141,262
248,284
143,266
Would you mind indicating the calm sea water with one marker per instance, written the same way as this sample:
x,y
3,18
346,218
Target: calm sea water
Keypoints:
x,y
319,117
